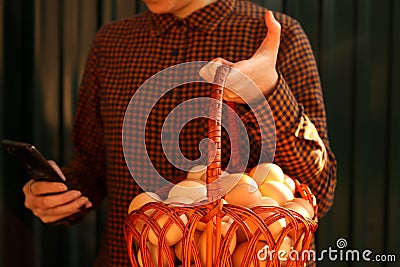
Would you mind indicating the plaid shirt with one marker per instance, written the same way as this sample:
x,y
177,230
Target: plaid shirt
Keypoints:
x,y
127,52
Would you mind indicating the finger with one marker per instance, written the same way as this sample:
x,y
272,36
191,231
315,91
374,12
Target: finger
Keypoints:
x,y
208,71
54,165
232,97
272,39
60,212
52,201
42,187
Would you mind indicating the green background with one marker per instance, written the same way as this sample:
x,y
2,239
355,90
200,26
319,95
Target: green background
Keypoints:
x,y
357,45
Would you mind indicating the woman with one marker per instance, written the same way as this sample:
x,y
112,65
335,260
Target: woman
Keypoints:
x,y
274,53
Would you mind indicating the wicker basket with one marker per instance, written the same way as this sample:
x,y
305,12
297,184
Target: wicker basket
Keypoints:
x,y
141,223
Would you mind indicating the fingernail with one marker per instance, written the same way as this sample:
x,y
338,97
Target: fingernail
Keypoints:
x,y
76,194
62,187
88,205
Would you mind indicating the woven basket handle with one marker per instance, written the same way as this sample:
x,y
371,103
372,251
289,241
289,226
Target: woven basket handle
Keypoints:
x,y
214,171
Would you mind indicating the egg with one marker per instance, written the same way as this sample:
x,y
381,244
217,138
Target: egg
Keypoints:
x,y
204,176
228,182
243,195
141,199
305,204
178,200
202,245
276,227
154,256
173,235
267,172
200,225
197,172
278,191
239,253
196,180
178,246
298,208
188,188
240,235
265,201
284,250
289,182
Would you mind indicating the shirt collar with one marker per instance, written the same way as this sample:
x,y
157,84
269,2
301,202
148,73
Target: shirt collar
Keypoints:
x,y
205,19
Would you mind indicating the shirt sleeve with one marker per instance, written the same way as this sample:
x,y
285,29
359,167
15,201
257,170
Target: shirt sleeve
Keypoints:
x,y
86,170
297,105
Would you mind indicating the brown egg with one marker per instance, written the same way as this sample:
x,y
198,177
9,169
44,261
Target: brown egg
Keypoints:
x,y
178,246
266,172
243,195
228,182
276,227
289,182
201,244
284,250
238,254
306,205
154,255
298,208
240,235
204,176
278,191
141,199
173,235
265,201
197,172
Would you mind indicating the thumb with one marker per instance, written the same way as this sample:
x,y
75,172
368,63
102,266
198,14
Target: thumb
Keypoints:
x,y
272,39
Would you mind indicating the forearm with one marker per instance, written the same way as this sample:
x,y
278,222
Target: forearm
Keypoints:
x,y
305,156
301,148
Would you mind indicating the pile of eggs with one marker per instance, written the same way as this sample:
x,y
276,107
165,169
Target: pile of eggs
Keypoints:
x,y
265,185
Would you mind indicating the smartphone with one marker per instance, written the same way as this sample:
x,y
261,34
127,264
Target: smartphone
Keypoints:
x,y
32,161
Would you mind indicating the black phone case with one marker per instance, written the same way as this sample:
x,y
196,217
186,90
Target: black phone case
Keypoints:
x,y
32,161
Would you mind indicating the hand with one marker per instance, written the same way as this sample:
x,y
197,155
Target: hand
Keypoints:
x,y
50,201
258,71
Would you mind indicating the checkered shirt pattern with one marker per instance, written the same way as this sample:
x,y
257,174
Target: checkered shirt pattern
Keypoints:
x,y
125,53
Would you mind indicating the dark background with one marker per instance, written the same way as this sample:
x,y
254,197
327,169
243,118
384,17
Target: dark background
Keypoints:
x,y
43,45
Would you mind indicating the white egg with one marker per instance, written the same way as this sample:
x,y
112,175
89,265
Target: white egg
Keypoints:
x,y
178,200
190,189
